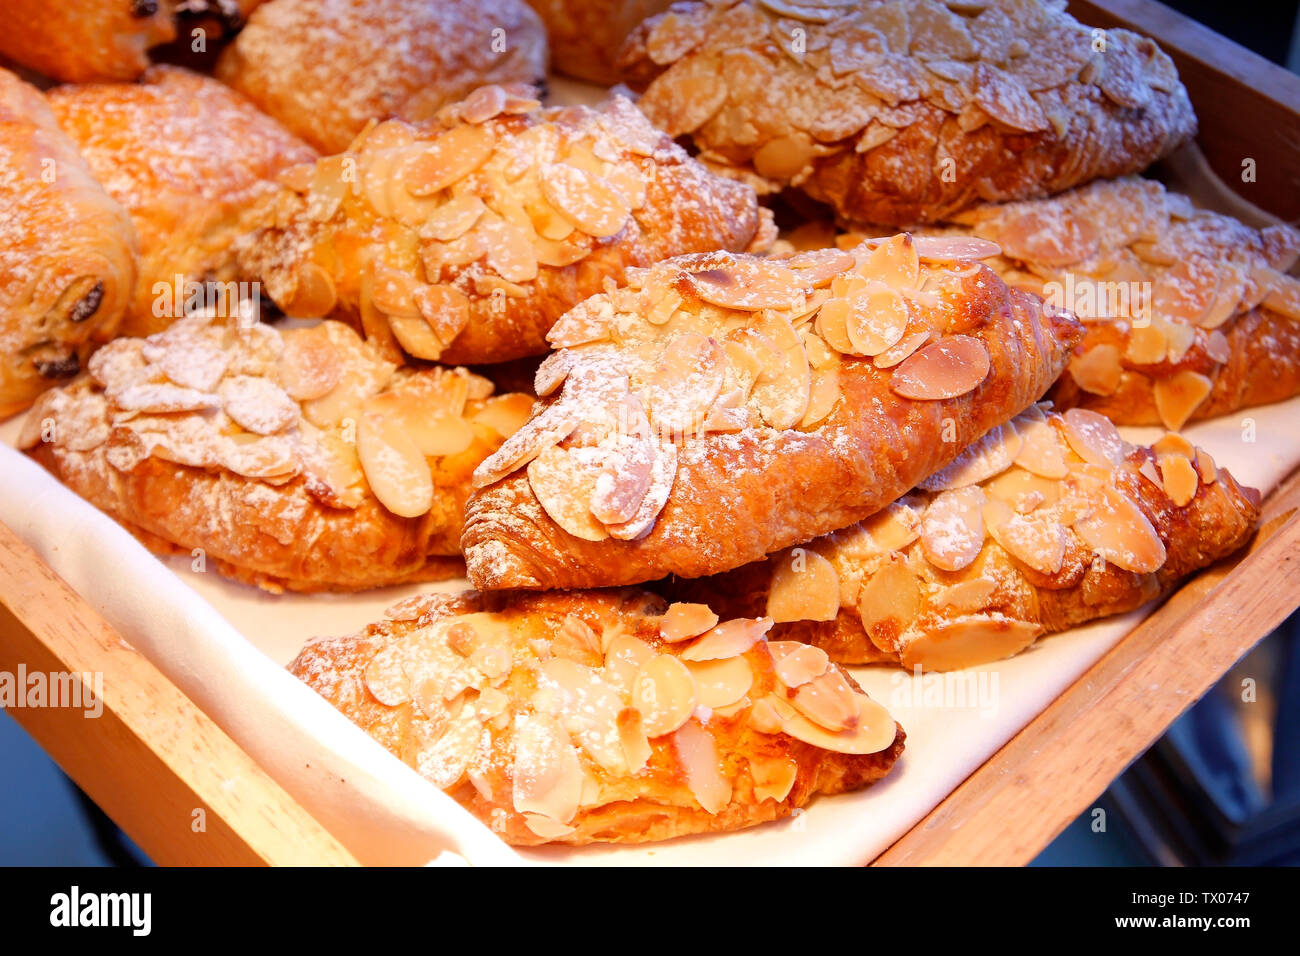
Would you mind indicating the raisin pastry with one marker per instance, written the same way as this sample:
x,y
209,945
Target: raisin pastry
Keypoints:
x,y
1189,313
324,68
296,459
604,716
585,35
80,41
465,240
67,251
720,407
905,111
188,158
1050,521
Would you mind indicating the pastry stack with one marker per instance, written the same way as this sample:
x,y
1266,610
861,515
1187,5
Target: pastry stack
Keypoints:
x,y
690,467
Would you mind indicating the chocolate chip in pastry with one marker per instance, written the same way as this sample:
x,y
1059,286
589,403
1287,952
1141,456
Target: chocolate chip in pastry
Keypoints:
x,y
603,716
324,68
720,407
1048,522
67,252
188,158
905,111
293,459
464,241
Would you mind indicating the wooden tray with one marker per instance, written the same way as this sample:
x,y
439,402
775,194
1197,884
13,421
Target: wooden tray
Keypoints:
x,y
154,759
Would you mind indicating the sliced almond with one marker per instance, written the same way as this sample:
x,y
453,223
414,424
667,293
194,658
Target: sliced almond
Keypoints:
x,y
1093,437
728,639
748,284
1041,452
1205,467
805,587
509,249
968,596
586,200
890,600
1284,297
905,347
968,642
1178,396
894,262
952,528
774,777
816,267
448,159
547,777
564,482
953,366
894,527
873,729
719,684
783,391
991,455
1117,529
954,248
683,621
1037,541
504,414
664,692
394,467
310,366
698,755
257,404
1025,490
798,663
1186,291
632,737
663,474
1097,370
1180,479
1048,237
832,325
625,655
684,383
829,700
877,319
1147,345
415,337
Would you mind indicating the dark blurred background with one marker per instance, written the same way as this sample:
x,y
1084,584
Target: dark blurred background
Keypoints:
x,y
1222,786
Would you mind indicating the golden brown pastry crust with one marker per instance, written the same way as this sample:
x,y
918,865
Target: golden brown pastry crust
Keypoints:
x,y
275,453
1189,312
324,68
464,241
585,35
67,251
904,111
188,158
692,436
511,704
80,41
874,594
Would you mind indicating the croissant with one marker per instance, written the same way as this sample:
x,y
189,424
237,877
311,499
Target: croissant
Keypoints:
x,y
464,241
293,460
905,111
84,40
1048,522
188,158
585,35
720,407
324,68
1189,314
603,716
67,251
